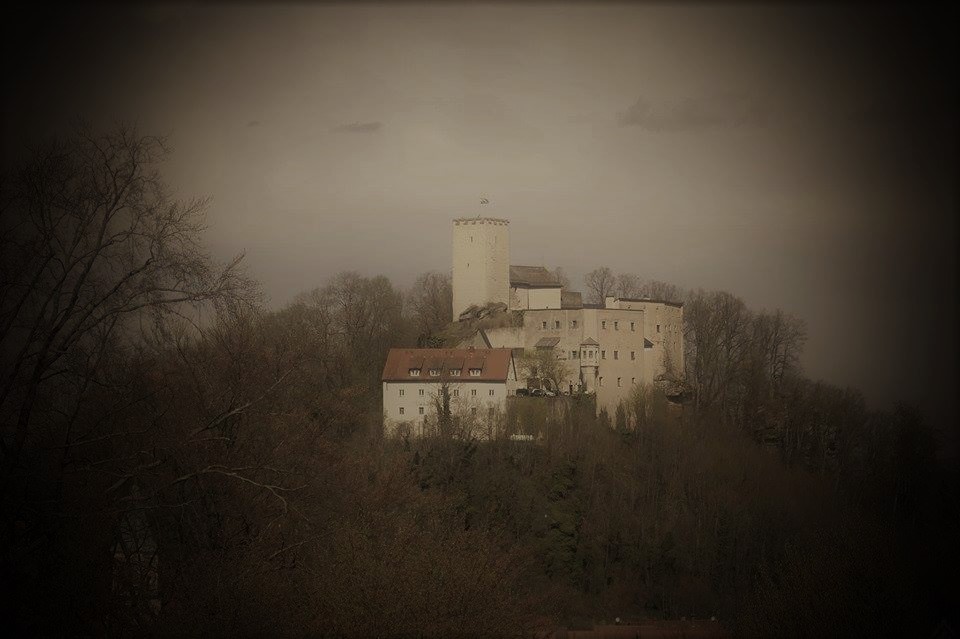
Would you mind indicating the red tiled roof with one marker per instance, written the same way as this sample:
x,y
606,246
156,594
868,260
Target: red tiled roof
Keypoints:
x,y
494,363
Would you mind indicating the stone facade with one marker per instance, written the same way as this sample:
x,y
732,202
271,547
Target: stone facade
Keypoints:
x,y
479,380
608,348
481,262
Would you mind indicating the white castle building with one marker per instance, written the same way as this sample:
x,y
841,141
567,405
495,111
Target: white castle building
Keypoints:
x,y
608,348
476,380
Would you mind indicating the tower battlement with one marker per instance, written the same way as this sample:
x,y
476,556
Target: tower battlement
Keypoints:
x,y
481,262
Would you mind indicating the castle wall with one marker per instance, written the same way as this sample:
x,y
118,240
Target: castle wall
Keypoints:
x,y
481,274
519,298
663,325
621,358
544,298
481,262
414,395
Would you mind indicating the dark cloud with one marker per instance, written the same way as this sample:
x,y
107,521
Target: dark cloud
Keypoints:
x,y
694,113
360,127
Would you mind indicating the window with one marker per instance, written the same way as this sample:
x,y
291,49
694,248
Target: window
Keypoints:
x,y
633,326
456,393
618,383
616,326
401,410
491,392
603,354
633,355
473,411
616,354
658,328
474,372
473,392
455,372
401,392
434,372
556,324
601,380
573,355
603,324
543,325
414,372
421,410
633,380
573,323
421,392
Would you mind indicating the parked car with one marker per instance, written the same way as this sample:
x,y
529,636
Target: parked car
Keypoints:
x,y
523,392
537,392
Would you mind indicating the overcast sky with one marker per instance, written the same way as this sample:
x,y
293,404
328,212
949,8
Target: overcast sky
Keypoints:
x,y
800,158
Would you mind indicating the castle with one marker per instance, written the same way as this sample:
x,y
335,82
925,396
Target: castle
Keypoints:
x,y
606,349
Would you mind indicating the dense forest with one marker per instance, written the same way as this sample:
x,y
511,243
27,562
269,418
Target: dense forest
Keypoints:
x,y
179,459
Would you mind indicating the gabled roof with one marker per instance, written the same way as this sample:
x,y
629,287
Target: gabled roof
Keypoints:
x,y
571,299
647,343
494,363
589,342
533,277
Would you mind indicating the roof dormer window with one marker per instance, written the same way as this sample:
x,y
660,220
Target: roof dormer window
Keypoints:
x,y
434,372
414,372
474,372
454,372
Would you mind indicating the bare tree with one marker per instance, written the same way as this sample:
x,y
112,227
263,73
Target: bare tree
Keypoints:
x,y
562,277
430,300
629,285
91,241
362,318
600,283
545,366
717,341
657,290
442,412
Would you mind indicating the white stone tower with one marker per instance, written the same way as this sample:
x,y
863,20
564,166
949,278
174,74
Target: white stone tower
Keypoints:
x,y
481,262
